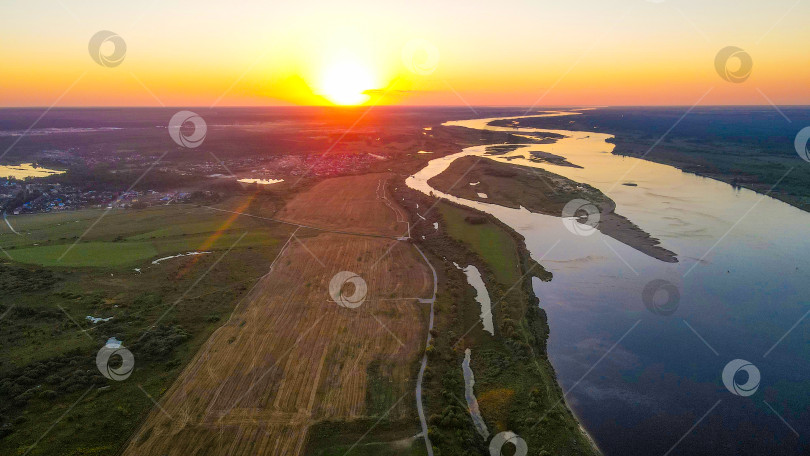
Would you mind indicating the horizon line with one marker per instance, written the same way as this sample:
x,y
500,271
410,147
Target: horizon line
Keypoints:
x,y
573,106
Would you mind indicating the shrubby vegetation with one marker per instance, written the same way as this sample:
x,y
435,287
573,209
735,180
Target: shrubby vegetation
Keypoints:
x,y
515,384
17,279
157,343
47,354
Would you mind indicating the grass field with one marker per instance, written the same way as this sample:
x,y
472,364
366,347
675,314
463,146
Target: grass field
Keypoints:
x,y
487,240
48,347
127,237
87,254
341,438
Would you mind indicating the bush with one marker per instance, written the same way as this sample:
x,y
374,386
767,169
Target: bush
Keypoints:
x,y
17,279
49,394
160,341
475,219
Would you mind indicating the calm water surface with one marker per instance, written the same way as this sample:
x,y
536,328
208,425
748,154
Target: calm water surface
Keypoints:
x,y
639,380
26,170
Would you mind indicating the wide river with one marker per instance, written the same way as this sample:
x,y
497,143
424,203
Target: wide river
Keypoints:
x,y
648,379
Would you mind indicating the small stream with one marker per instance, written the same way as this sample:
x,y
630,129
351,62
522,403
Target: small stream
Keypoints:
x,y
469,395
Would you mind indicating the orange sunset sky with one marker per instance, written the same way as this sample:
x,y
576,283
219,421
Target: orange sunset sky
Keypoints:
x,y
511,52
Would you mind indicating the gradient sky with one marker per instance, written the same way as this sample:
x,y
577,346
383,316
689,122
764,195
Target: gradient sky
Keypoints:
x,y
509,52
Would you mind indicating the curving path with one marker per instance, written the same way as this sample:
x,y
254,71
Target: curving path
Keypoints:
x,y
419,407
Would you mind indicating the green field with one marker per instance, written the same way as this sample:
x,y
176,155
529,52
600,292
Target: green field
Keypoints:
x,y
163,313
126,237
489,241
366,437
86,254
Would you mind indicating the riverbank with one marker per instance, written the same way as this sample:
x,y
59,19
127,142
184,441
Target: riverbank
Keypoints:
x,y
514,186
748,147
617,356
515,383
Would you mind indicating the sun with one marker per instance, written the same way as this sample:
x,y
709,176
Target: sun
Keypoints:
x,y
344,82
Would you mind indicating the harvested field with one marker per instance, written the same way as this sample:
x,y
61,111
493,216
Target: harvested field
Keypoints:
x,y
354,203
290,356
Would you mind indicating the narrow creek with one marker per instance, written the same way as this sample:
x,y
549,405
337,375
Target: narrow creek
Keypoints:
x,y
469,395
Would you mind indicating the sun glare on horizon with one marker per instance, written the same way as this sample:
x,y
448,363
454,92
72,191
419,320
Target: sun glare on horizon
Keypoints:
x,y
344,82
